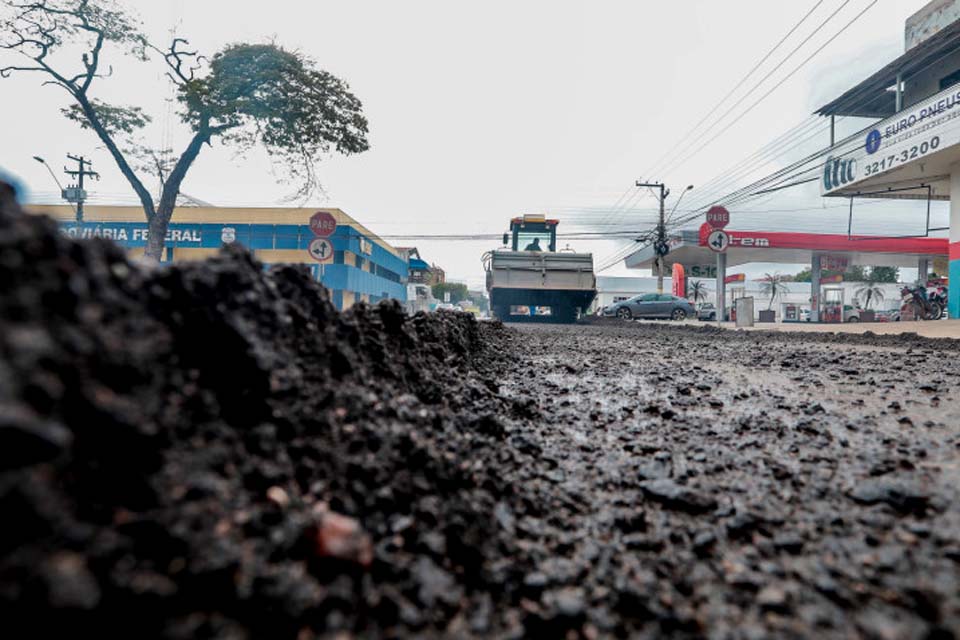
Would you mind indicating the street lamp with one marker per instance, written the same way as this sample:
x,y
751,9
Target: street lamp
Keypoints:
x,y
54,176
677,204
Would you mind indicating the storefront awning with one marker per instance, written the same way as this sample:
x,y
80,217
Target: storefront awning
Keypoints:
x,y
874,97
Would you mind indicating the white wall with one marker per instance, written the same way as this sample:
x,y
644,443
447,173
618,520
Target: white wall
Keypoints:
x,y
612,289
799,294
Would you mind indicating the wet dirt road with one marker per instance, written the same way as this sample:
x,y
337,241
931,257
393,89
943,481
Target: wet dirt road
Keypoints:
x,y
739,484
212,450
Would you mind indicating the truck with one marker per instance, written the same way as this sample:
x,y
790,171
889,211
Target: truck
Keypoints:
x,y
530,281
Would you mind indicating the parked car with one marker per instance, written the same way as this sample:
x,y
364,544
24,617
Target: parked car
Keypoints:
x,y
652,305
851,313
707,311
888,315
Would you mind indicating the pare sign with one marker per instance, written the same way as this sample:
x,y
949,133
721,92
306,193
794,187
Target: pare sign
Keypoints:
x,y
718,217
323,224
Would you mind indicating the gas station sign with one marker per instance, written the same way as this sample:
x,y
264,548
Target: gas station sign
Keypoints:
x,y
703,271
902,139
834,262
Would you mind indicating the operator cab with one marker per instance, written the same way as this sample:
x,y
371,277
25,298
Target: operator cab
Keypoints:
x,y
532,233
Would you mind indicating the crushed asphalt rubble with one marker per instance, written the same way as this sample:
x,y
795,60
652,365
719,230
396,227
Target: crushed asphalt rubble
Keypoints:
x,y
211,450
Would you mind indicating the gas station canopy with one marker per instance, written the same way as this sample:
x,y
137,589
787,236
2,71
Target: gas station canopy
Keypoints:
x,y
690,249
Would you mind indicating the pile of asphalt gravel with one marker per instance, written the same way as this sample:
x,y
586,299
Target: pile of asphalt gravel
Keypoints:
x,y
212,450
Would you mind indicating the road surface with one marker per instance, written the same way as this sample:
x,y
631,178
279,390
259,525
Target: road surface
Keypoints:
x,y
693,481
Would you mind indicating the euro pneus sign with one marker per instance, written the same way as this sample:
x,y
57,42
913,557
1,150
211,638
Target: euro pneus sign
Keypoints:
x,y
902,139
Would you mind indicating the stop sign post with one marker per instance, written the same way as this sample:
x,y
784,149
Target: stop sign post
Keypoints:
x,y
718,217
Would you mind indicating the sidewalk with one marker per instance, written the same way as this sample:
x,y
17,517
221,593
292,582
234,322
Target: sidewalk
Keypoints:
x,y
929,329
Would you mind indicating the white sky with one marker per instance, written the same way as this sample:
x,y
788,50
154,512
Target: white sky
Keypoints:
x,y
481,111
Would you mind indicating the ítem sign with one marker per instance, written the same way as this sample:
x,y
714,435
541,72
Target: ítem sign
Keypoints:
x,y
321,250
718,217
718,241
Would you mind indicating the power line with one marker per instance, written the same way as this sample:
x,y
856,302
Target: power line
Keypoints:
x,y
791,74
776,86
735,88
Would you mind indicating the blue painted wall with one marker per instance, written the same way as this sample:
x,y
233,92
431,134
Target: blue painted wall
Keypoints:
x,y
338,277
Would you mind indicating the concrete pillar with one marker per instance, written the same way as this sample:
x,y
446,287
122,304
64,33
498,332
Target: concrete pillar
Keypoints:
x,y
815,288
898,96
953,291
923,270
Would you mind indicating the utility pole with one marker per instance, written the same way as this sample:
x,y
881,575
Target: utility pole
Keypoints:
x,y
75,193
660,246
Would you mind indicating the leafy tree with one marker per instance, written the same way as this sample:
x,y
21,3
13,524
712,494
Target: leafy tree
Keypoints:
x,y
772,285
245,95
457,290
806,275
885,274
856,273
697,290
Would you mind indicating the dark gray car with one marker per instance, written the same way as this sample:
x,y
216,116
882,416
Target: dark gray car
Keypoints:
x,y
651,305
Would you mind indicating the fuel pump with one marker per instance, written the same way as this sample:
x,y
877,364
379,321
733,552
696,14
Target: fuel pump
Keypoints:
x,y
832,310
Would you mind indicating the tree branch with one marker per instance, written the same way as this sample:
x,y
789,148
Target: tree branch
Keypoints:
x,y
93,63
6,71
91,114
183,64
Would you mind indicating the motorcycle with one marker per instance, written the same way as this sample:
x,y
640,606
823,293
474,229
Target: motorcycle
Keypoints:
x,y
938,295
923,307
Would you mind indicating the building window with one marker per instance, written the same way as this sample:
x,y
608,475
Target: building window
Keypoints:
x,y
950,80
338,257
385,273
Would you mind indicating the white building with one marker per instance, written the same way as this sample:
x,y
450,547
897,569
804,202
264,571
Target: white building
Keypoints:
x,y
913,151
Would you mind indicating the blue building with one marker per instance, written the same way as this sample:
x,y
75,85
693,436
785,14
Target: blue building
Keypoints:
x,y
352,262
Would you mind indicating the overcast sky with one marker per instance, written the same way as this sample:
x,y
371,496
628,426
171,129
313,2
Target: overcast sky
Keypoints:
x,y
480,111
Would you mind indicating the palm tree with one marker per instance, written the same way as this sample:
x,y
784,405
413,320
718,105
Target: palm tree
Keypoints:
x,y
869,292
697,290
773,286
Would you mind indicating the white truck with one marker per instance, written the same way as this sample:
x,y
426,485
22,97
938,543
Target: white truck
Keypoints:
x,y
530,281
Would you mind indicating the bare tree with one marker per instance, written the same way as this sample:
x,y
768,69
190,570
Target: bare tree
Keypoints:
x,y
245,95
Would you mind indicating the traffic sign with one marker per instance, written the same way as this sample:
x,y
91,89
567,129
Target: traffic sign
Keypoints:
x,y
323,224
718,241
321,250
718,217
